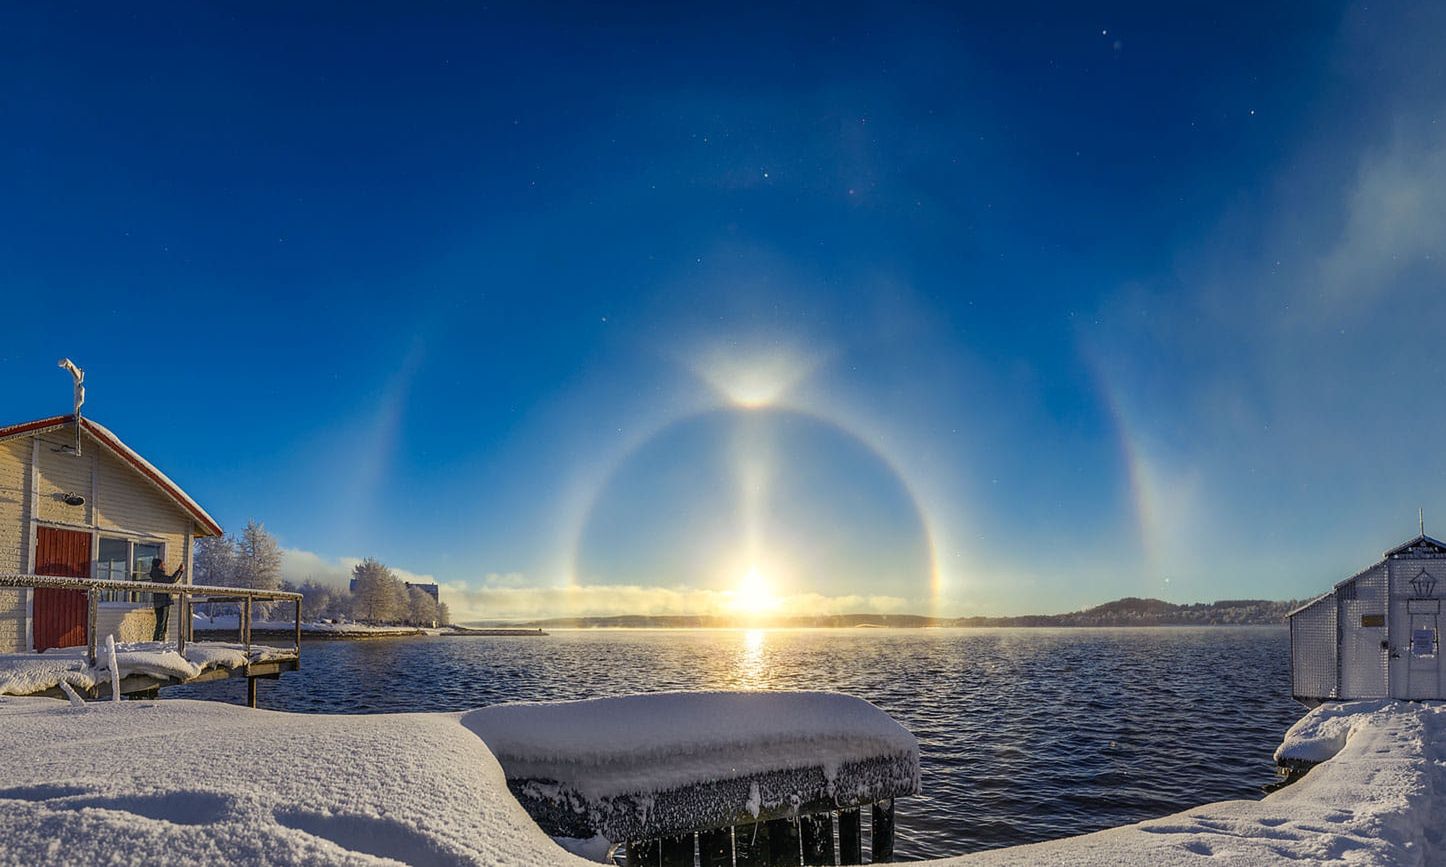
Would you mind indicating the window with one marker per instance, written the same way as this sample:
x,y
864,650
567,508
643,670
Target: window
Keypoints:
x,y
125,560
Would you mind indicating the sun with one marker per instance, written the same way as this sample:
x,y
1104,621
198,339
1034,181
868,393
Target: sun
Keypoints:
x,y
754,594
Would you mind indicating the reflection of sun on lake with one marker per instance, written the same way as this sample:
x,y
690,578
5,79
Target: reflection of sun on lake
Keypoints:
x,y
750,671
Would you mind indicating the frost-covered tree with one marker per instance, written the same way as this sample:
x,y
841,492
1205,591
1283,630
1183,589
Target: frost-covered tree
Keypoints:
x,y
444,614
258,563
320,600
422,609
258,558
214,561
378,596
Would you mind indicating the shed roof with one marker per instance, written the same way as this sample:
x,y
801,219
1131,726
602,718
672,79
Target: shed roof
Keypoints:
x,y
1421,541
102,435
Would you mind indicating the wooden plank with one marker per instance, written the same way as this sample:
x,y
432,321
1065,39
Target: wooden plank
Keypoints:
x,y
883,831
715,848
816,832
850,836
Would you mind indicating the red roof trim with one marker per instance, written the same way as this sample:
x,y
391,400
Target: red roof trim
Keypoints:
x,y
125,453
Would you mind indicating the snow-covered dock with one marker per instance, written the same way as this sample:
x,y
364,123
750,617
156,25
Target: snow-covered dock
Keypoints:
x,y
648,768
183,782
142,667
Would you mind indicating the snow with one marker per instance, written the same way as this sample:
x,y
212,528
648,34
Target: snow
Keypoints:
x,y
230,622
27,673
174,781
198,782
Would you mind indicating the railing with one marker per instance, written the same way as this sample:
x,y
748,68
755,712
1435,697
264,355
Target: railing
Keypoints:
x,y
186,593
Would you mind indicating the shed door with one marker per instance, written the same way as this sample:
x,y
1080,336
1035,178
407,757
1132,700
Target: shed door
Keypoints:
x,y
59,615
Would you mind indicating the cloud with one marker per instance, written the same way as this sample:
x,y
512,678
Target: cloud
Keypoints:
x,y
505,597
298,565
1395,219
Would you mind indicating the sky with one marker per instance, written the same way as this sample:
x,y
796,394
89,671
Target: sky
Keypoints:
x,y
811,308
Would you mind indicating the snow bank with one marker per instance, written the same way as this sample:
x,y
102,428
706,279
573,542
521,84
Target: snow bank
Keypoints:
x,y
231,622
644,766
1378,798
27,673
189,782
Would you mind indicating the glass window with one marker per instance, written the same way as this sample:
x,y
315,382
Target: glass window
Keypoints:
x,y
145,552
111,559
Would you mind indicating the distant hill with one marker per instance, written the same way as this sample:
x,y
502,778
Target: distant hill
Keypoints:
x,y
1130,611
1133,611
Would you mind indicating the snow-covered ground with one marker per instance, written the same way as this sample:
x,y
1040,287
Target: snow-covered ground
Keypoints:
x,y
230,622
26,673
196,782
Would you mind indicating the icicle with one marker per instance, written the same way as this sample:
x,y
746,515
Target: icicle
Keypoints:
x,y
115,692
71,694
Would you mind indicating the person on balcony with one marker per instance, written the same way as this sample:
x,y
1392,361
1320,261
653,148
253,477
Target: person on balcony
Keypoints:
x,y
162,601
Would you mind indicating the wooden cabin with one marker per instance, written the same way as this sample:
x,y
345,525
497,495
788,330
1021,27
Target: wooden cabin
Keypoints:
x,y
83,504
1376,634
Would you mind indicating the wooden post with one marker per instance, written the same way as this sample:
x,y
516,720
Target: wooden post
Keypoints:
x,y
784,848
251,692
645,853
678,851
883,849
715,848
298,627
850,836
90,606
817,834
246,626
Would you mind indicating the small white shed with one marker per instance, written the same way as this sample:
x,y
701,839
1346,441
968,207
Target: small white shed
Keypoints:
x,y
1377,634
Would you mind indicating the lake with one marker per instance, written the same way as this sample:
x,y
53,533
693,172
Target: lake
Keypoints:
x,y
1025,734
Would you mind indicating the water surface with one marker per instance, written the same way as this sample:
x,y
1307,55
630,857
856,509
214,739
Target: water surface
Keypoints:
x,y
1026,734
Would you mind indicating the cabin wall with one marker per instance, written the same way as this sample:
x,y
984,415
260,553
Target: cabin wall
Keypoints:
x,y
14,540
1364,645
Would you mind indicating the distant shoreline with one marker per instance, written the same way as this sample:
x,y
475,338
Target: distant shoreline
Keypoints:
x,y
1127,612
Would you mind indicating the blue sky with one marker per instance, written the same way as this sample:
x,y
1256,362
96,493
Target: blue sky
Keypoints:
x,y
982,310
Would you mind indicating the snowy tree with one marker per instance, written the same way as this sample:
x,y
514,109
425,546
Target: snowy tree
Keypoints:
x,y
320,600
444,614
214,561
379,596
258,563
422,608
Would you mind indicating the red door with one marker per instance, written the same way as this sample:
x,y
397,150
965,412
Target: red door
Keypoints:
x,y
59,615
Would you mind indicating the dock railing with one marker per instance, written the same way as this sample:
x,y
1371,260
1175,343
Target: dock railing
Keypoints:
x,y
187,594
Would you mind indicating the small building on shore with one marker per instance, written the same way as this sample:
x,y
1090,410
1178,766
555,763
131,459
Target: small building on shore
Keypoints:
x,y
77,502
1376,634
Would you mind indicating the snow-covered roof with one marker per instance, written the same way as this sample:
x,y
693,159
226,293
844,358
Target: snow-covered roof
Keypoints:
x,y
102,435
1421,541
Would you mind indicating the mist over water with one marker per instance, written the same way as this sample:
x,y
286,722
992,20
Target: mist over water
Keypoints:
x,y
1026,734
